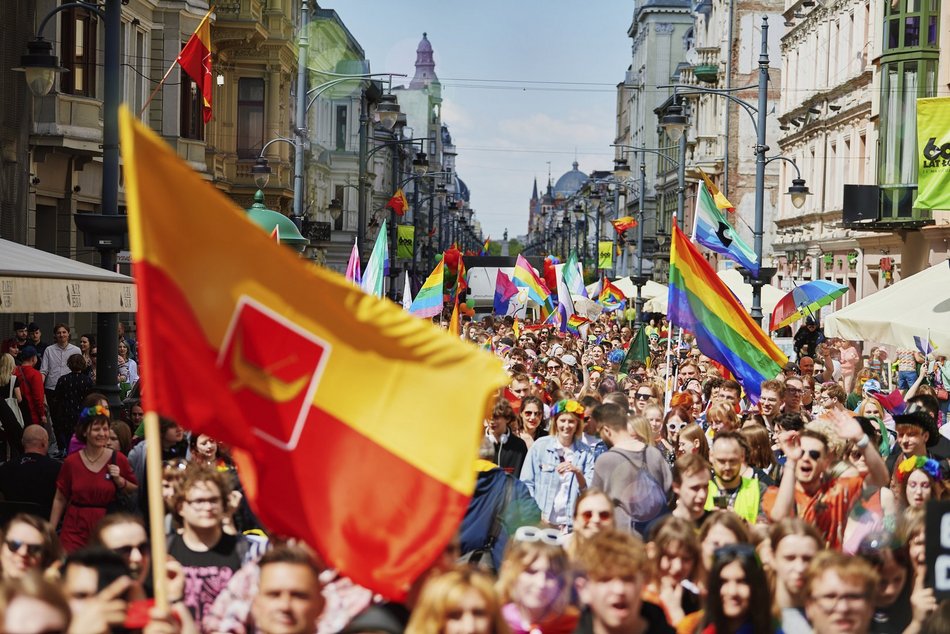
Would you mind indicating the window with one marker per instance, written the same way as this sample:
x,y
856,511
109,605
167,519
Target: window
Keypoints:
x,y
338,193
79,53
341,127
910,24
192,124
250,117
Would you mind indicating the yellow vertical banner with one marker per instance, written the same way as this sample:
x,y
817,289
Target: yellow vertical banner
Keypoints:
x,y
605,254
933,148
405,241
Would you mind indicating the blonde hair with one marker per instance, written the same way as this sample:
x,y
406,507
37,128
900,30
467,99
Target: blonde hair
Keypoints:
x,y
442,594
520,555
7,366
639,427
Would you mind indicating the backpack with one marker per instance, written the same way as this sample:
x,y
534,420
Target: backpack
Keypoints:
x,y
644,498
482,557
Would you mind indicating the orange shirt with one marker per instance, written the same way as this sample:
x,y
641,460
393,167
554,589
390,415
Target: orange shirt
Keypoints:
x,y
828,509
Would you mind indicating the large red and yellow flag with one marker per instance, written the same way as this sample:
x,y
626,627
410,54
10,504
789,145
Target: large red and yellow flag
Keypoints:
x,y
335,401
195,59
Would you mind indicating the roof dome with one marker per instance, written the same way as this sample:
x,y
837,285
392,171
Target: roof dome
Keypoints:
x,y
570,182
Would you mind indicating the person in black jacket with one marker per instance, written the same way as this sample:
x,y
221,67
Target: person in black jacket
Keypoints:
x,y
807,338
497,495
509,450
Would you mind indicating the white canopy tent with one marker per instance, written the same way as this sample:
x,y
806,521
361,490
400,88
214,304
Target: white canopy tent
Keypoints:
x,y
34,281
629,289
734,281
915,306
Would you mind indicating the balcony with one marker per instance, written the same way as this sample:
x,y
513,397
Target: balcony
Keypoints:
x,y
68,121
884,208
707,73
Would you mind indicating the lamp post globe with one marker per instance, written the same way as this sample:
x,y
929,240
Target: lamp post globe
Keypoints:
x,y
674,122
798,192
40,66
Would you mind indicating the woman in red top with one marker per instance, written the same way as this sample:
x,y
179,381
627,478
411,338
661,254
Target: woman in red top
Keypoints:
x,y
89,480
31,385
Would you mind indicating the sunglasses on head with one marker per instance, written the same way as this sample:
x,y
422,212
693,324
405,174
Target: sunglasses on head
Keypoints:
x,y
549,536
32,550
735,551
603,516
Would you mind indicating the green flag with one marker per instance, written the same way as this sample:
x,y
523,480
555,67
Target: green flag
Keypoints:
x,y
639,350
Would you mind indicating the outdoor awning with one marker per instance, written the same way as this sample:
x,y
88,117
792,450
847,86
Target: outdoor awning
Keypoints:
x,y
735,282
915,306
34,281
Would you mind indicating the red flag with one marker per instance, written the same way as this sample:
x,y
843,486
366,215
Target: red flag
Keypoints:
x,y
195,59
275,369
398,202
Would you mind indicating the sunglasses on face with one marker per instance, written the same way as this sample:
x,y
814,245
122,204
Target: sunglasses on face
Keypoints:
x,y
735,551
531,413
675,426
126,551
642,397
603,516
32,550
814,454
549,536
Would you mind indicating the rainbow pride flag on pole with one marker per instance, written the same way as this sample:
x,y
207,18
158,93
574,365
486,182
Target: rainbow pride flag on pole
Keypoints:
x,y
701,303
574,323
525,277
611,297
428,301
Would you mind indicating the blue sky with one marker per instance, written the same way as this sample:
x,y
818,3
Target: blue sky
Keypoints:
x,y
525,83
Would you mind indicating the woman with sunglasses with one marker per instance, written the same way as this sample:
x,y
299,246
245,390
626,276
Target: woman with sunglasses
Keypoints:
x,y
558,467
675,421
535,584
593,513
532,420
28,544
641,396
738,600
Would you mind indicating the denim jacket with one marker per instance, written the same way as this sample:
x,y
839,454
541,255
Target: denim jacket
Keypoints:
x,y
540,472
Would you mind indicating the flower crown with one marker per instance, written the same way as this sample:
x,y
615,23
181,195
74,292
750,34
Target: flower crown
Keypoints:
x,y
95,410
568,405
929,466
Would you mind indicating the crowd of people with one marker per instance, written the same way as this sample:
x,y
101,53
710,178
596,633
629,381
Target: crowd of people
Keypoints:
x,y
613,495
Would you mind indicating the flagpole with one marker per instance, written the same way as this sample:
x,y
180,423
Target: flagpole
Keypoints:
x,y
156,509
170,68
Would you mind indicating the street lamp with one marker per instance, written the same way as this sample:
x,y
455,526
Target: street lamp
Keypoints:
x,y
673,122
106,232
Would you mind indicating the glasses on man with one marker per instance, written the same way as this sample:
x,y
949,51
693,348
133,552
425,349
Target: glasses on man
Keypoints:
x,y
828,602
207,502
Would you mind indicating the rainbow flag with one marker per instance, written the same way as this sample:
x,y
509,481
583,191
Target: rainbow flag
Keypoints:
x,y
428,301
574,323
278,410
701,303
525,277
611,297
485,246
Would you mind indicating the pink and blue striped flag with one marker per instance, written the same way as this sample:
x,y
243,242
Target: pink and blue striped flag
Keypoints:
x,y
353,273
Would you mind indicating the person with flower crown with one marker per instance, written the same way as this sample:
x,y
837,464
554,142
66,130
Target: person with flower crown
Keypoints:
x,y
558,467
917,480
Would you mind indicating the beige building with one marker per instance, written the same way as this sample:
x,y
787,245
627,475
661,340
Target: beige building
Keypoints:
x,y
854,71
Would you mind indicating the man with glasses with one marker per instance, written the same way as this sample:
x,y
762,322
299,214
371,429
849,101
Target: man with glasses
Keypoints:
x,y
792,397
840,593
552,368
807,488
208,555
125,535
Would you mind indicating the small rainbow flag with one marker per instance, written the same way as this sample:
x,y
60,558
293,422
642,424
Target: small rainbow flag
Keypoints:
x,y
624,223
574,323
611,297
702,304
525,277
485,246
428,301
